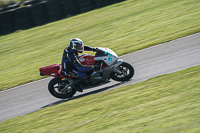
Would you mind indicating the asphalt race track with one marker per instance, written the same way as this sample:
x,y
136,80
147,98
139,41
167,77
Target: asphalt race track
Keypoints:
x,y
165,58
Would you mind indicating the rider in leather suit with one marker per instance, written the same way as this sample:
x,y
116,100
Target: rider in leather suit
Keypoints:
x,y
70,63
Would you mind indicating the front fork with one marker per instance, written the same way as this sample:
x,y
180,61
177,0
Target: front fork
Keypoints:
x,y
116,68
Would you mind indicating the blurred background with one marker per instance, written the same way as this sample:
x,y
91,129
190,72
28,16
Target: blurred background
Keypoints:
x,y
21,14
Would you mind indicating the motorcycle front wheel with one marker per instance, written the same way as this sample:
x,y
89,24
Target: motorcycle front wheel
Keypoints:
x,y
127,72
56,87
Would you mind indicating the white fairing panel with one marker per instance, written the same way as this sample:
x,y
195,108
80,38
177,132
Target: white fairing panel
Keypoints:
x,y
110,58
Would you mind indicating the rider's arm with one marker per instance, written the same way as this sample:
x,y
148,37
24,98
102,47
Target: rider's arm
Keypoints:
x,y
74,60
88,48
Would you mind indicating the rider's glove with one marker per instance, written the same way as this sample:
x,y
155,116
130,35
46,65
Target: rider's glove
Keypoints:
x,y
94,49
101,51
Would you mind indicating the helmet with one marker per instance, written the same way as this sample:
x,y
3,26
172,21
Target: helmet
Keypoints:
x,y
77,44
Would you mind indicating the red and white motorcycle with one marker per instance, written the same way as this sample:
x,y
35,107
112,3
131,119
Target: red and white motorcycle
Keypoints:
x,y
111,67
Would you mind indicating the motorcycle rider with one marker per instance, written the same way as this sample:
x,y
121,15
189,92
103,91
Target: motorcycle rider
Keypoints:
x,y
71,65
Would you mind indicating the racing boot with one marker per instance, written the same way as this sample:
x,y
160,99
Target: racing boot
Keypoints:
x,y
76,86
76,83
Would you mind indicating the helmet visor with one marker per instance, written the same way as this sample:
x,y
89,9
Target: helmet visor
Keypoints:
x,y
80,47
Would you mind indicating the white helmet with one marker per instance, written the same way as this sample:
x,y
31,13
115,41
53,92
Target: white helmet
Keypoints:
x,y
77,44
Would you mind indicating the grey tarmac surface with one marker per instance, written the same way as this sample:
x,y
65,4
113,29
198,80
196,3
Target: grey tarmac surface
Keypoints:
x,y
161,59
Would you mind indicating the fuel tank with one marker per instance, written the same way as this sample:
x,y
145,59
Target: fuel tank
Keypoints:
x,y
87,60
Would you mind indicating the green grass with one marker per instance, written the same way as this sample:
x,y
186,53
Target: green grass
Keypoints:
x,y
164,104
124,27
4,3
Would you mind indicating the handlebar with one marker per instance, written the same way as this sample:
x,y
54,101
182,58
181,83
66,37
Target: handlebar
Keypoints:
x,y
101,51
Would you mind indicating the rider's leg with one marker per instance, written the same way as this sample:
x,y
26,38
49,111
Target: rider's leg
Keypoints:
x,y
81,77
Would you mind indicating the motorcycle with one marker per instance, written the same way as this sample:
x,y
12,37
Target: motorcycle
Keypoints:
x,y
110,67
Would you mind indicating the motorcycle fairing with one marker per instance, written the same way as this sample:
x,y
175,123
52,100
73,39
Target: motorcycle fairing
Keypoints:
x,y
102,75
53,70
109,56
87,60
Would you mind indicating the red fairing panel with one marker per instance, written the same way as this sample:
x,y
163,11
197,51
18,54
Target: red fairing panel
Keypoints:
x,y
49,70
87,60
52,70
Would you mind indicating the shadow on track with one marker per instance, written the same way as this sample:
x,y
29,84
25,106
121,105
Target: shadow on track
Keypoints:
x,y
83,95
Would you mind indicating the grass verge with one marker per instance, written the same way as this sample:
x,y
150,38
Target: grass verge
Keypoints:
x,y
167,103
124,27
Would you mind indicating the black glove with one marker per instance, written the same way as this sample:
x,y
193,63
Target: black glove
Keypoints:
x,y
94,49
101,51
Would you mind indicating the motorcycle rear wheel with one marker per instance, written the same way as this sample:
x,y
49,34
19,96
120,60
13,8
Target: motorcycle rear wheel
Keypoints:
x,y
127,72
56,85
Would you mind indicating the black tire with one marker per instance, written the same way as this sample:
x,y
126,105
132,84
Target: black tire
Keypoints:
x,y
56,84
127,70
